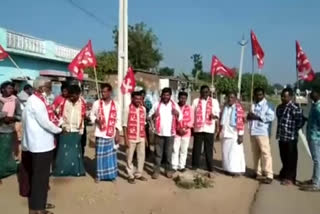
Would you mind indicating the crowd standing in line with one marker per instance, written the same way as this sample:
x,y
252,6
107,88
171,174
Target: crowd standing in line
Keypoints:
x,y
52,134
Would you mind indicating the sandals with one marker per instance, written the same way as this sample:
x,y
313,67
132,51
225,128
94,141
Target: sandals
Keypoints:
x,y
286,183
50,206
141,178
131,181
311,188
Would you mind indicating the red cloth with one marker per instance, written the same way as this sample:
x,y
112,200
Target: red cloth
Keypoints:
x,y
52,116
218,68
133,122
110,126
240,117
257,50
187,119
84,59
199,120
3,53
129,82
174,119
305,71
58,105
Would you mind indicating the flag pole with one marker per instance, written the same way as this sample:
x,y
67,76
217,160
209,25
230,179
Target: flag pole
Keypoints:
x,y
96,80
212,81
15,64
252,81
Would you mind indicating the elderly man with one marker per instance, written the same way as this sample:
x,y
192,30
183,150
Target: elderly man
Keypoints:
x,y
40,125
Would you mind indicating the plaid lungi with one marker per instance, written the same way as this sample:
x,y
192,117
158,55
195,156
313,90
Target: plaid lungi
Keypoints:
x,y
106,155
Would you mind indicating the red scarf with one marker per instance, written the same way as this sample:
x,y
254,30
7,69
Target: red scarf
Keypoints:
x,y
199,120
174,119
240,117
58,105
109,127
52,116
133,122
186,113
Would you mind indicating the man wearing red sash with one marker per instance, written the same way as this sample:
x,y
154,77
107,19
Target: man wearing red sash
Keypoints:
x,y
232,130
134,122
104,115
69,161
182,139
206,111
60,100
165,114
39,125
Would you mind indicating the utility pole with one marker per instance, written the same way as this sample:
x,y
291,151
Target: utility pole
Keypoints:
x,y
243,44
122,51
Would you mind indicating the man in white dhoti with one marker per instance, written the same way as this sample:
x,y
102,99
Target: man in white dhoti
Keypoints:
x,y
232,124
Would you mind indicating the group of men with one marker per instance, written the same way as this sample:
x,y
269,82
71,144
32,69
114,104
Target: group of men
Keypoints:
x,y
55,132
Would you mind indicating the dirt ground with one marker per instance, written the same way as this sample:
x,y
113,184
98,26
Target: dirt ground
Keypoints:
x,y
83,196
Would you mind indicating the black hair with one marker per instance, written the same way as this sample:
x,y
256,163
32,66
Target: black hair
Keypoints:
x,y
289,90
258,89
64,86
182,93
106,85
6,84
231,92
142,92
27,87
136,93
74,89
166,90
204,87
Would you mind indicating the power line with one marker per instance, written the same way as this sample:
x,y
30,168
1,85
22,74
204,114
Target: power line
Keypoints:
x,y
90,14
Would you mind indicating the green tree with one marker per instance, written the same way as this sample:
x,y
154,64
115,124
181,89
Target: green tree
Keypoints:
x,y
143,46
309,85
225,85
197,64
107,63
259,81
166,71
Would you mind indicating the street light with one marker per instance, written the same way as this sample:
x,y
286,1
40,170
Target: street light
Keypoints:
x,y
243,44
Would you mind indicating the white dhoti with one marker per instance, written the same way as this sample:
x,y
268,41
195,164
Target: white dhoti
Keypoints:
x,y
233,159
180,152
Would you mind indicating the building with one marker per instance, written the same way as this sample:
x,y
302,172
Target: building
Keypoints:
x,y
35,57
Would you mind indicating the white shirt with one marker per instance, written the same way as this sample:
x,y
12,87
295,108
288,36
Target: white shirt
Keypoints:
x,y
38,135
94,114
227,130
215,111
165,117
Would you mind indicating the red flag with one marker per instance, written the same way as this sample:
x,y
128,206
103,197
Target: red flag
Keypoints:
x,y
3,53
129,82
84,59
218,68
257,50
305,71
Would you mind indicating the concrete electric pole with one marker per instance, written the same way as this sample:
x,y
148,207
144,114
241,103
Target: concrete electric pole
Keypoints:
x,y
122,50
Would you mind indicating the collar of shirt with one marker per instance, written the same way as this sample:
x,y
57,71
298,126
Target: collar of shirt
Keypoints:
x,y
262,102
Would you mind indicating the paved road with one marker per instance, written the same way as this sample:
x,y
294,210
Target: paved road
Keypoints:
x,y
277,199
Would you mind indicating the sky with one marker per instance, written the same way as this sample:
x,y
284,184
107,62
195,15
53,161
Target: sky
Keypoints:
x,y
184,27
